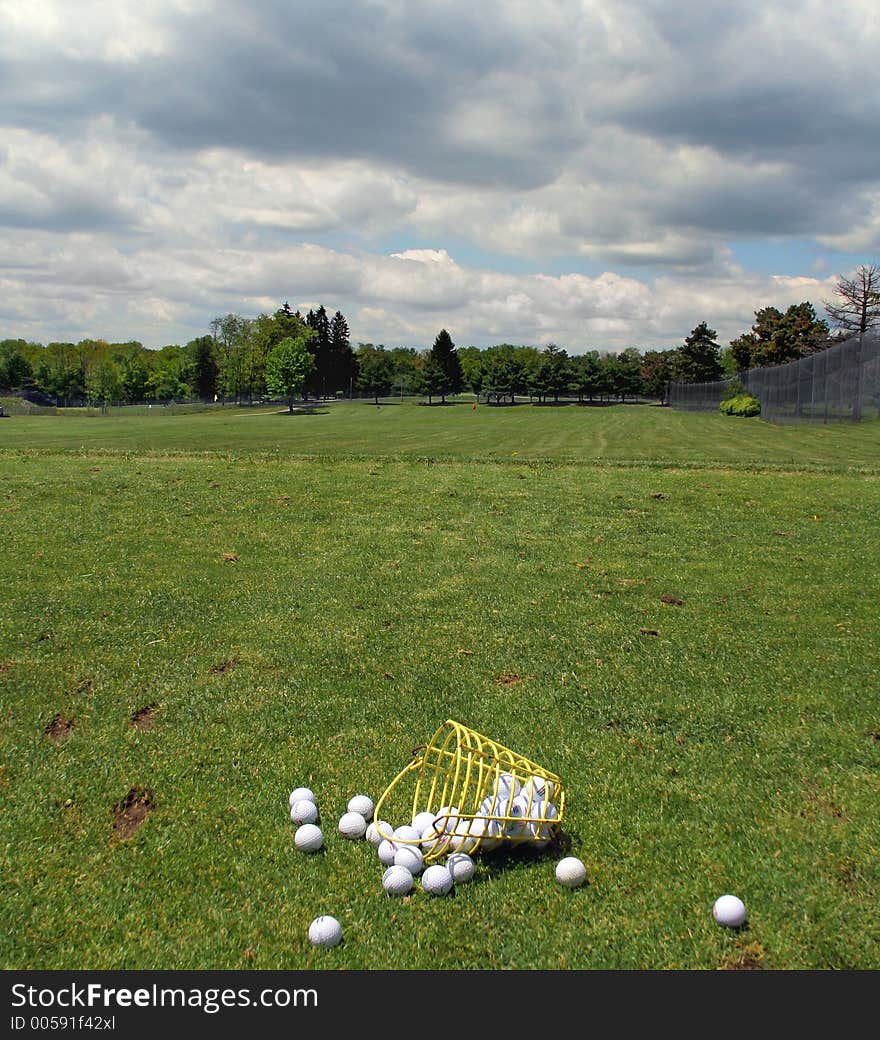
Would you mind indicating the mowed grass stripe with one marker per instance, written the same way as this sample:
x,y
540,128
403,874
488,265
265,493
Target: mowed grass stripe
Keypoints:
x,y
292,623
644,434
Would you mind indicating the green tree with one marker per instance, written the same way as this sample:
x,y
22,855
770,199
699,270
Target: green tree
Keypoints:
x,y
375,370
857,307
628,374
103,383
15,369
699,359
553,374
586,374
656,372
289,365
203,366
342,367
444,354
776,338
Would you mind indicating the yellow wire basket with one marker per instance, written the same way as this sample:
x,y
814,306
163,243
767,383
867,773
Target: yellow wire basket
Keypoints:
x,y
467,793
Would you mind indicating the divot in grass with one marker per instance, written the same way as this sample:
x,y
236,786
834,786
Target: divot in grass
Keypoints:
x,y
59,729
131,812
144,718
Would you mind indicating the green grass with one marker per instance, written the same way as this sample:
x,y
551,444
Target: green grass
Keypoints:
x,y
374,596
617,434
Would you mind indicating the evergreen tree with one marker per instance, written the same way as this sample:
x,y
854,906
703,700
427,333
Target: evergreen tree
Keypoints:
x,y
699,359
342,360
444,354
203,365
321,380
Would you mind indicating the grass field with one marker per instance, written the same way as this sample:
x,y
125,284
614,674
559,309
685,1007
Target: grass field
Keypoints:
x,y
202,612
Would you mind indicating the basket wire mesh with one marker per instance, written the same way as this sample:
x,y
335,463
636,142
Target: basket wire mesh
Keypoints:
x,y
480,794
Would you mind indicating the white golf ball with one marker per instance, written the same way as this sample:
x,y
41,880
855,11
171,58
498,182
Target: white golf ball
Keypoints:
x,y
436,880
571,872
461,867
303,811
308,838
361,804
507,784
375,832
352,825
386,852
325,931
729,911
397,880
423,820
411,857
518,811
406,833
446,819
301,793
492,836
467,835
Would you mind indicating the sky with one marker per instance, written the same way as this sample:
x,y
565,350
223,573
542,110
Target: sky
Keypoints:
x,y
599,174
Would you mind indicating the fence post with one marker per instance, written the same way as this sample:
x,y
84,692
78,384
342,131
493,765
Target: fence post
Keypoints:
x,y
857,403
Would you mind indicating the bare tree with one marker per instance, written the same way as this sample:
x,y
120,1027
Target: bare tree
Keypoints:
x,y
859,296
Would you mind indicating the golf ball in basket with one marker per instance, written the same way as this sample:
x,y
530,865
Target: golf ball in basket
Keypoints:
x,y
376,831
422,821
571,872
352,825
406,833
386,852
308,838
410,857
361,804
300,793
436,880
325,931
397,880
729,911
303,811
461,867
467,835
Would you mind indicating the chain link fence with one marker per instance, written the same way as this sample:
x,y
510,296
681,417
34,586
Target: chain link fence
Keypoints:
x,y
840,384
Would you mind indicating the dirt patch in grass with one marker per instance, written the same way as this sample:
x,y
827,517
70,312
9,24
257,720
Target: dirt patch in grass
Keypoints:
x,y
225,666
6,666
144,718
508,679
667,597
131,811
59,729
746,958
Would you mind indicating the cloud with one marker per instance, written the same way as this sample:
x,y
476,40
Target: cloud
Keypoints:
x,y
530,171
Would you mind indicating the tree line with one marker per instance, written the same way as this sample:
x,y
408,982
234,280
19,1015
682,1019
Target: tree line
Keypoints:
x,y
288,355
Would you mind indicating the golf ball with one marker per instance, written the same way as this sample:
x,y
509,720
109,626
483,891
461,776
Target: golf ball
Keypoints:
x,y
397,880
352,825
406,833
410,857
437,881
729,911
467,835
423,820
325,931
375,831
302,793
461,867
308,838
361,804
303,811
571,872
446,819
386,852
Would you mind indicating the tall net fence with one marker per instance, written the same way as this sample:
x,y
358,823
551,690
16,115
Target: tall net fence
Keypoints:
x,y
840,384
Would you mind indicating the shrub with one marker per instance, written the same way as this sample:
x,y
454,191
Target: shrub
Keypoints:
x,y
742,404
735,388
